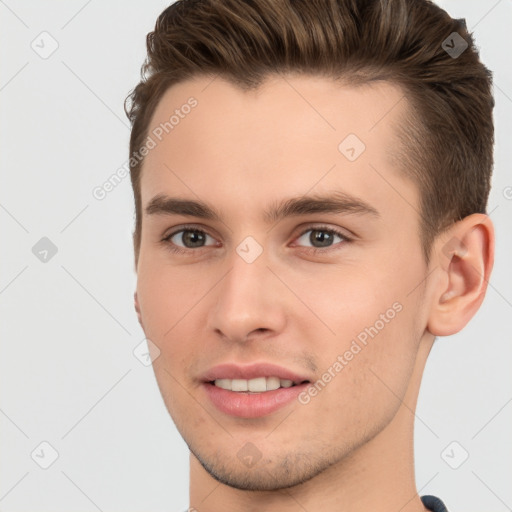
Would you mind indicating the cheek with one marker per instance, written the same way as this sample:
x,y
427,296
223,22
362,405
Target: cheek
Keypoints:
x,y
166,295
170,300
372,314
364,374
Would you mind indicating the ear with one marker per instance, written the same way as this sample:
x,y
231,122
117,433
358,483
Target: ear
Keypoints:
x,y
465,255
137,309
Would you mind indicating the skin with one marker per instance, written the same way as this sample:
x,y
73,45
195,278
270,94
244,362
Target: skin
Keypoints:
x,y
351,446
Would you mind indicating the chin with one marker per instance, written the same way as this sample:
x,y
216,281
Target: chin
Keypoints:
x,y
267,475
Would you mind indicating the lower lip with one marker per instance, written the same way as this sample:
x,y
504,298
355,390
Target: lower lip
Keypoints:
x,y
252,405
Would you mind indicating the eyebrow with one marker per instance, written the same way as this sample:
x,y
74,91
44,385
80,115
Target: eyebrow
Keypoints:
x,y
333,202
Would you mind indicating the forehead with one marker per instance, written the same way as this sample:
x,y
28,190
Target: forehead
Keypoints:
x,y
292,135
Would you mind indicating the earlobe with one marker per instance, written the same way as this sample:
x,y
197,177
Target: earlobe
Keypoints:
x,y
137,309
465,255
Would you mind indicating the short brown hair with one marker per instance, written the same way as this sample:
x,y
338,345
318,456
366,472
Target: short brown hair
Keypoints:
x,y
447,138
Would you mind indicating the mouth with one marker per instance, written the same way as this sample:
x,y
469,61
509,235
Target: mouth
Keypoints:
x,y
255,385
252,391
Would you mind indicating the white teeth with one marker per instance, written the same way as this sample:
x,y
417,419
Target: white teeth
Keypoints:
x,y
223,383
238,385
257,385
273,383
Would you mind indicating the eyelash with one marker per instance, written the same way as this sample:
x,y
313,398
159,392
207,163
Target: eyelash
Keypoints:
x,y
178,250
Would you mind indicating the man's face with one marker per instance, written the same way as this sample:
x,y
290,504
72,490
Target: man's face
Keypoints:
x,y
252,289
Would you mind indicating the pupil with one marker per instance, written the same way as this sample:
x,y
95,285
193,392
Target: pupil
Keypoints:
x,y
188,237
321,238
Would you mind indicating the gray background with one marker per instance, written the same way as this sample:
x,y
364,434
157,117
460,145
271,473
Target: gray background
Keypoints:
x,y
68,375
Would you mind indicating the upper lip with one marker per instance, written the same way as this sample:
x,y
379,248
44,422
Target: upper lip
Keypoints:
x,y
251,371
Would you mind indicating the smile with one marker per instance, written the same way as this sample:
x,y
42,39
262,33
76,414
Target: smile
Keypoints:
x,y
256,385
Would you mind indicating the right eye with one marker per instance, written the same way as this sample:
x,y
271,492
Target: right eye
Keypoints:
x,y
191,236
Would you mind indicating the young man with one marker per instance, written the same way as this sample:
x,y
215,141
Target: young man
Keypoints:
x,y
310,182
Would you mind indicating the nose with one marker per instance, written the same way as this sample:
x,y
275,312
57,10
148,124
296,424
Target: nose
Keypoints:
x,y
249,302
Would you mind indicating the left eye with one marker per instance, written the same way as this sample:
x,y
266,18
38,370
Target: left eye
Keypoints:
x,y
321,237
